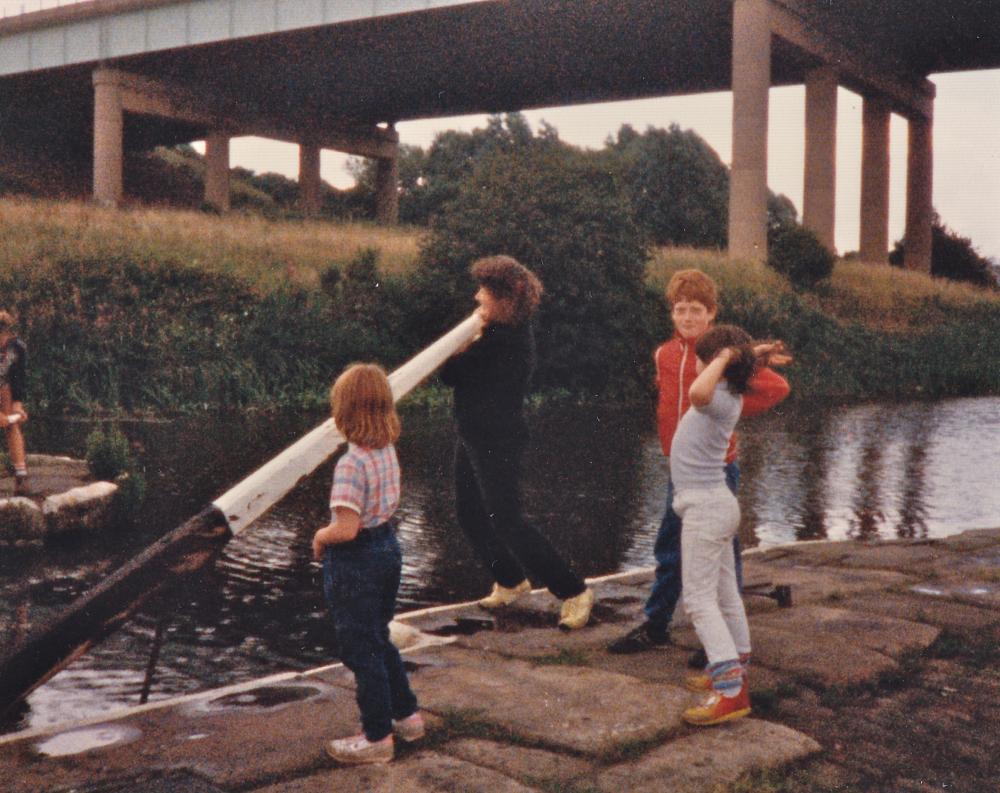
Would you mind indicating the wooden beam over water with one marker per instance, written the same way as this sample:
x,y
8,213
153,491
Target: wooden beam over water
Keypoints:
x,y
188,549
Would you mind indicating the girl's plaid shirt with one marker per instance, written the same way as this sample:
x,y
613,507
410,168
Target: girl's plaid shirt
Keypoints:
x,y
367,481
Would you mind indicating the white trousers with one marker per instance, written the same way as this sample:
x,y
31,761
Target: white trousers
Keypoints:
x,y
708,571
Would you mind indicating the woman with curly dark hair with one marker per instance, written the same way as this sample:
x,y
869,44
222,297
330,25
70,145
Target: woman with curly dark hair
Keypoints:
x,y
490,377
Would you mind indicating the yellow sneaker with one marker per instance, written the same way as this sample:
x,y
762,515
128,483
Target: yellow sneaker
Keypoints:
x,y
576,610
716,708
504,596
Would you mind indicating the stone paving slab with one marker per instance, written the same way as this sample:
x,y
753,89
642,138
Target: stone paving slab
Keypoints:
x,y
519,762
812,583
232,742
425,772
887,635
900,556
708,759
931,609
571,707
819,660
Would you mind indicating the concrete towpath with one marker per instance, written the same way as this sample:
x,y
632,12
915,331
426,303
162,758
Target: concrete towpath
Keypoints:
x,y
516,705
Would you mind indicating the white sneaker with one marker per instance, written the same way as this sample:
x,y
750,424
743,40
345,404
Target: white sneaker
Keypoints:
x,y
576,610
410,729
503,596
358,750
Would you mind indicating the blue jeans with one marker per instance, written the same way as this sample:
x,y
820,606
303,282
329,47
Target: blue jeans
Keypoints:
x,y
666,592
360,581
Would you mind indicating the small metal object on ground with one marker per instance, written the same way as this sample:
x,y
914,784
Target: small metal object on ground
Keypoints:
x,y
781,593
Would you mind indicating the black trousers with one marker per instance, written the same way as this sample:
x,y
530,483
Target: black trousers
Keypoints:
x,y
488,506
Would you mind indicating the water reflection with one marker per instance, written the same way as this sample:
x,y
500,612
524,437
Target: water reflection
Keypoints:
x,y
596,487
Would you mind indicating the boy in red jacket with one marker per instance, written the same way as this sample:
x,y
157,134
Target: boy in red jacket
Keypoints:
x,y
693,299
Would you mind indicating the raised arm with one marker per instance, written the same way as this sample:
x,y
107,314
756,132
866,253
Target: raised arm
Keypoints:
x,y
703,387
765,390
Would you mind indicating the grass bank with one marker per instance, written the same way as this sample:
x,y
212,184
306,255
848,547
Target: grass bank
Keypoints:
x,y
871,332
161,310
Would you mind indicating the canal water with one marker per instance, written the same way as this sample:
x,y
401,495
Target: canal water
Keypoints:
x,y
595,487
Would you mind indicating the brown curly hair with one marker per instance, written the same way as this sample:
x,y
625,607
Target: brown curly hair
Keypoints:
x,y
517,290
741,366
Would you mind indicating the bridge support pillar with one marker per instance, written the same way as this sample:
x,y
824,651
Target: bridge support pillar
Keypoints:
x,y
387,190
751,82
109,125
919,194
874,242
310,198
217,171
820,183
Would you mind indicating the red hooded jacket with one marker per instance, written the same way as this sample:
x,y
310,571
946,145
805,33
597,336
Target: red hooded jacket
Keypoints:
x,y
675,371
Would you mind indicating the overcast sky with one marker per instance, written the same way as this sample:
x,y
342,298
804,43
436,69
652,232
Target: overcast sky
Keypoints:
x,y
966,145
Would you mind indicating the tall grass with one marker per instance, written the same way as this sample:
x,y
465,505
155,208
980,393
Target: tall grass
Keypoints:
x,y
263,254
158,310
870,332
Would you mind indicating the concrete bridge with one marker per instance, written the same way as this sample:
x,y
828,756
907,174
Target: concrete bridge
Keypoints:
x,y
106,76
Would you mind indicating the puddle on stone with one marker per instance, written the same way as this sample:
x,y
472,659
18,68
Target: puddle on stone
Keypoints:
x,y
85,739
976,590
263,697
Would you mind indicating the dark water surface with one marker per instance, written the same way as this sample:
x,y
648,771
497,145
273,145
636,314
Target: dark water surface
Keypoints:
x,y
595,487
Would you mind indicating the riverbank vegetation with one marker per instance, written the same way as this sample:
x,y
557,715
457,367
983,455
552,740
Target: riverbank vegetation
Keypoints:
x,y
154,311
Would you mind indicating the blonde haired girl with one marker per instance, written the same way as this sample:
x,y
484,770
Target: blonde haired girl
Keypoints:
x,y
362,564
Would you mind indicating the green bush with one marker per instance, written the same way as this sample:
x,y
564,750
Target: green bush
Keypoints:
x,y
796,253
109,454
952,256
557,211
110,458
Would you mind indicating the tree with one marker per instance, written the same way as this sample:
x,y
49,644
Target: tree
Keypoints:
x,y
428,180
679,188
796,253
952,256
560,212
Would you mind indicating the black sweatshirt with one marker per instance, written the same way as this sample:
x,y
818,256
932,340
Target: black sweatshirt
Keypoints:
x,y
490,379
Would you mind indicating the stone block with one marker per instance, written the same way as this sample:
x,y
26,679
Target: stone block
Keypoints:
x,y
79,509
887,635
21,519
425,772
932,610
568,707
812,583
709,759
520,762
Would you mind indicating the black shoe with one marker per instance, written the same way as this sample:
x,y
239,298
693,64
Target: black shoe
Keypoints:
x,y
698,660
637,640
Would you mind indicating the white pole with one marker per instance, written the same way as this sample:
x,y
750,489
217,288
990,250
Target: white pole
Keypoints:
x,y
251,498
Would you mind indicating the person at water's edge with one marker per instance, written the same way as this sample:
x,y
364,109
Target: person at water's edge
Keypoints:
x,y
694,302
490,378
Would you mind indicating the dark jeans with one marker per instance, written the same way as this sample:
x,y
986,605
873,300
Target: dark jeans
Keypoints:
x,y
488,506
666,592
360,580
